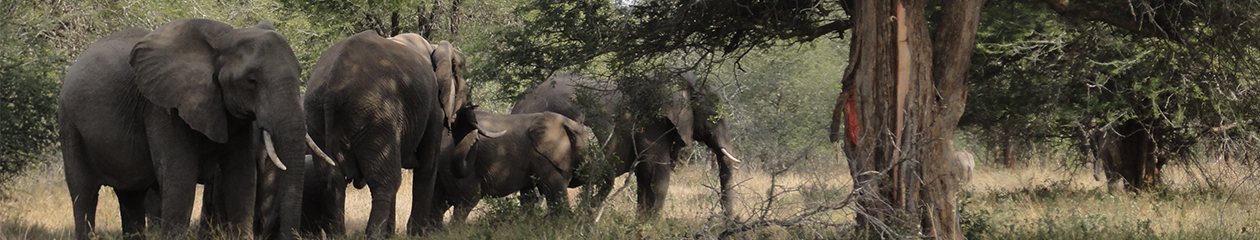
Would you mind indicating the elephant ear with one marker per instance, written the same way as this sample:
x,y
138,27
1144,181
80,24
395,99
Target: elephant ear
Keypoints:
x,y
553,141
446,61
265,25
414,42
678,110
175,69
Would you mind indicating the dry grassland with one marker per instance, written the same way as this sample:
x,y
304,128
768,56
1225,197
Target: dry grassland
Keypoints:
x,y
1032,202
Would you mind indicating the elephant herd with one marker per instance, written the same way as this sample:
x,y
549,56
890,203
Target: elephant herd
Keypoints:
x,y
154,113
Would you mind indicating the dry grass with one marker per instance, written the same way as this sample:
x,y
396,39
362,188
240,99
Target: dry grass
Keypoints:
x,y
1033,202
1041,201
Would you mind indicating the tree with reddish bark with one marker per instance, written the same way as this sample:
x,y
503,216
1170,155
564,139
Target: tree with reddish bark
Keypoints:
x,y
904,90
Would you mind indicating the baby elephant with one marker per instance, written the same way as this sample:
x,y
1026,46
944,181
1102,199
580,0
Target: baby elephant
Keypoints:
x,y
538,150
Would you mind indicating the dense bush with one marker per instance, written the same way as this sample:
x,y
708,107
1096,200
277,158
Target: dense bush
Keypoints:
x,y
30,74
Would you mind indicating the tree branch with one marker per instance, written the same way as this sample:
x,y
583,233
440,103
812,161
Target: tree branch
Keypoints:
x,y
1144,27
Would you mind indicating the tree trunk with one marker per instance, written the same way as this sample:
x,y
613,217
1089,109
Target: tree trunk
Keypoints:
x,y
455,17
905,180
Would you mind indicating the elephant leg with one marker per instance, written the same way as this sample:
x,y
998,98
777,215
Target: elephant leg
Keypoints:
x,y
529,197
383,173
177,201
238,188
461,211
84,197
153,207
424,177
132,208
84,189
724,177
312,216
653,180
643,188
602,188
177,166
335,211
555,188
439,203
211,207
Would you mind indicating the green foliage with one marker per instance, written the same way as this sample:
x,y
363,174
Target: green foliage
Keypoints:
x,y
1037,75
602,38
555,35
781,99
975,223
29,71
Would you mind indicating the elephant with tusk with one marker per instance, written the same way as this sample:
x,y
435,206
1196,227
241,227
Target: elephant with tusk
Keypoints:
x,y
647,125
165,109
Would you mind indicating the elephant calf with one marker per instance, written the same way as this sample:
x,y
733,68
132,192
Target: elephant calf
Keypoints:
x,y
537,150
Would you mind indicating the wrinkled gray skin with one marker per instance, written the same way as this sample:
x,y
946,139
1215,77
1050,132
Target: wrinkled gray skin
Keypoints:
x,y
654,141
378,105
540,150
323,203
163,109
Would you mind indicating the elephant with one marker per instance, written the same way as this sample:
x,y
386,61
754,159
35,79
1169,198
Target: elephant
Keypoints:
x,y
540,150
645,133
1127,152
377,105
168,108
968,163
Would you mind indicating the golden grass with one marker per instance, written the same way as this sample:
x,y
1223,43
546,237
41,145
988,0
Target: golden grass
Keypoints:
x,y
1017,203
1037,197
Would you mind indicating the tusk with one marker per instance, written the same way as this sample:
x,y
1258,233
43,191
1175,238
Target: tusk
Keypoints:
x,y
495,134
732,157
318,151
271,151
489,133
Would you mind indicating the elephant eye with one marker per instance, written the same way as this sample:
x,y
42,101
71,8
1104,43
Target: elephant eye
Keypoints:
x,y
253,80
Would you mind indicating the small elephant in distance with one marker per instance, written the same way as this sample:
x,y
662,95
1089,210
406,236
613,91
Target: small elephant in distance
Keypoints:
x,y
968,162
538,150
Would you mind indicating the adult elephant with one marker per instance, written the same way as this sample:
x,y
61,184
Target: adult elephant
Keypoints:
x,y
537,150
649,123
143,109
378,105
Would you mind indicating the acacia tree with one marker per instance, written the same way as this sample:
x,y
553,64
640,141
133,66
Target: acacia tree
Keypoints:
x,y
1133,84
575,35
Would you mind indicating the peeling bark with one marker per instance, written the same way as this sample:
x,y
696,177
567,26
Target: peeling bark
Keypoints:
x,y
914,188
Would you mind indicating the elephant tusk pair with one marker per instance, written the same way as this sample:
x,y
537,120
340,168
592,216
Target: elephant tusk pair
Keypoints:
x,y
320,152
271,151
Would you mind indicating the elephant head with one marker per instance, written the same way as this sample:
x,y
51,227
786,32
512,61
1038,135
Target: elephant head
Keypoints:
x,y
448,65
214,77
466,131
696,115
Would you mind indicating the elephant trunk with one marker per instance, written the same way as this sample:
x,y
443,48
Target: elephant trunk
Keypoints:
x,y
461,165
283,119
